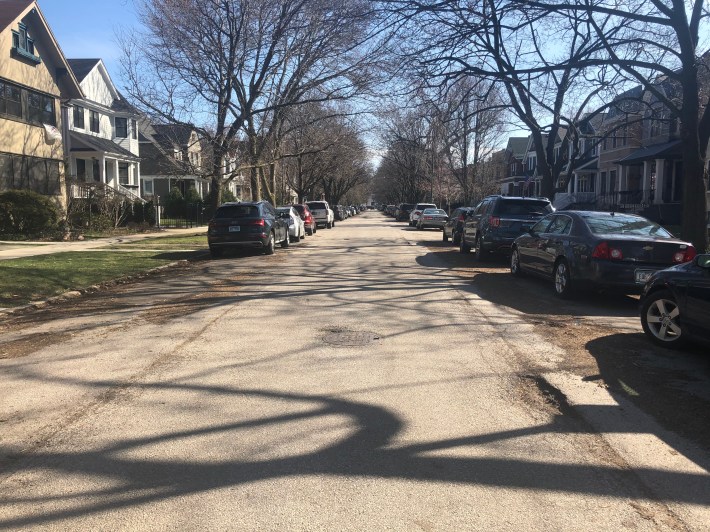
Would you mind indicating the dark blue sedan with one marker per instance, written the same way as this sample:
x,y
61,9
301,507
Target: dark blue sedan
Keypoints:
x,y
675,306
584,249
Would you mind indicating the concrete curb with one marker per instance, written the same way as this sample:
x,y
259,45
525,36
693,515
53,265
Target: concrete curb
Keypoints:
x,y
76,293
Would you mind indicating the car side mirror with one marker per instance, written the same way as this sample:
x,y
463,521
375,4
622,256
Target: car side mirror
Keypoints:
x,y
703,261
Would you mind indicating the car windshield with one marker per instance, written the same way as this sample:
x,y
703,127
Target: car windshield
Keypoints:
x,y
624,224
237,211
316,205
523,207
434,211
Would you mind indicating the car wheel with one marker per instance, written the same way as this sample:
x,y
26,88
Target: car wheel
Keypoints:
x,y
419,227
332,223
315,229
328,225
515,263
269,249
463,247
456,238
444,236
661,319
286,241
563,281
481,255
216,252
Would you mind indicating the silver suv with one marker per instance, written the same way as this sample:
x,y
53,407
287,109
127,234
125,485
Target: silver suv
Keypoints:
x,y
322,213
417,212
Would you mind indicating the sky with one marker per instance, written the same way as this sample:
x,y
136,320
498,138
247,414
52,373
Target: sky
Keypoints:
x,y
87,28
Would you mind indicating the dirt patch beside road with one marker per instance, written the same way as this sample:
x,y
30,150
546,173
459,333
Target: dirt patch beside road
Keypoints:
x,y
601,339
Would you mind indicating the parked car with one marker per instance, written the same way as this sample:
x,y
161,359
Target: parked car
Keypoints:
x,y
389,210
296,227
307,216
579,249
322,213
340,213
403,211
675,306
246,224
497,221
435,218
454,225
417,212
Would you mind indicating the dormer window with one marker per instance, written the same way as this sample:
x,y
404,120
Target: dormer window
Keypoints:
x,y
23,45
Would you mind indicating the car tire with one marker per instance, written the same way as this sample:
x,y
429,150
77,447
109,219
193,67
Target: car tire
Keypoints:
x,y
332,223
328,225
444,236
315,229
216,252
286,241
562,279
661,320
463,247
419,227
270,245
481,255
456,238
515,268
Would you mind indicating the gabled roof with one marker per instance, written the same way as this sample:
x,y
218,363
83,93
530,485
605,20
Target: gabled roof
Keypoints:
x,y
517,146
12,10
82,67
173,133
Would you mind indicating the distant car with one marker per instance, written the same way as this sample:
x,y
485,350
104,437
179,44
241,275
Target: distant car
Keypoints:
x,y
432,218
307,216
675,305
403,211
497,221
246,224
454,225
322,213
417,212
580,249
340,213
296,227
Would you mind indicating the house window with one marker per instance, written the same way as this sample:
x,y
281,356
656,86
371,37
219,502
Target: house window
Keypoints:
x,y
134,130
93,121
23,45
81,169
121,127
78,117
148,188
10,100
40,108
29,173
123,173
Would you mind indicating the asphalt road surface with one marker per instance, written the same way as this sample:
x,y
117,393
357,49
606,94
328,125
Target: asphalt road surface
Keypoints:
x,y
357,381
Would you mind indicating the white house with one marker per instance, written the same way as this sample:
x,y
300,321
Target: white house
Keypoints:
x,y
103,134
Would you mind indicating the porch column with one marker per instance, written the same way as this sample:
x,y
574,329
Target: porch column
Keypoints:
x,y
660,181
576,183
646,182
102,169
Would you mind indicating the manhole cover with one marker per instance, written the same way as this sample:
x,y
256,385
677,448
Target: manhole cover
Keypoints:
x,y
349,338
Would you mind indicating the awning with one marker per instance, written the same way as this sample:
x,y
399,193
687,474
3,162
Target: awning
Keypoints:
x,y
657,151
83,142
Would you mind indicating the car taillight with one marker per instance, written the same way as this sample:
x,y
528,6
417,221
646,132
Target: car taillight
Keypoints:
x,y
260,221
427,217
686,254
494,221
603,251
461,218
211,225
417,212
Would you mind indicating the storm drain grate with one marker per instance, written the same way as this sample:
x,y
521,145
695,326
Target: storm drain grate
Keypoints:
x,y
350,338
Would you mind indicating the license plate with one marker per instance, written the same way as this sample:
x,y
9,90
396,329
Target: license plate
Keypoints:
x,y
234,228
643,275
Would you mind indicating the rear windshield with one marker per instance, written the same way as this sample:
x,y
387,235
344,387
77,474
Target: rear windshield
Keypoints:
x,y
237,211
525,208
299,208
316,205
623,224
408,206
426,206
434,211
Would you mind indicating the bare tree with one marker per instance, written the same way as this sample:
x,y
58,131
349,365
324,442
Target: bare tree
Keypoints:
x,y
231,67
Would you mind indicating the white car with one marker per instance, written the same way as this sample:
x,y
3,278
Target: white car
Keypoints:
x,y
417,212
296,227
323,214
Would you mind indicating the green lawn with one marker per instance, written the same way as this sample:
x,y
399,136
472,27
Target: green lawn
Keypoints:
x,y
196,242
36,278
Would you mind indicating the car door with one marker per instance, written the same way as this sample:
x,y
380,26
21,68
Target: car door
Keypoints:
x,y
473,221
553,242
529,243
697,299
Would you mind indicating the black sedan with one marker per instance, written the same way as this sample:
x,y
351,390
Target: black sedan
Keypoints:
x,y
675,305
579,249
246,224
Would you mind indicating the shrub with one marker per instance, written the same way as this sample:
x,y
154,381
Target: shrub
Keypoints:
x,y
192,196
27,213
227,195
174,203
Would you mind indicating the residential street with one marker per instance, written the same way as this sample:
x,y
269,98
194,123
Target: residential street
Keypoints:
x,y
370,377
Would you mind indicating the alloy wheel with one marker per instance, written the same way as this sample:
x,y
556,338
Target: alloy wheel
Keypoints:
x,y
663,319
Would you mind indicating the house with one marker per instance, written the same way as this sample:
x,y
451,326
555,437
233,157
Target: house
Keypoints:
x,y
174,156
35,80
102,143
512,182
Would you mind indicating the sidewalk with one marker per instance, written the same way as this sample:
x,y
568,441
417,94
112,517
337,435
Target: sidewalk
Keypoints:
x,y
27,249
